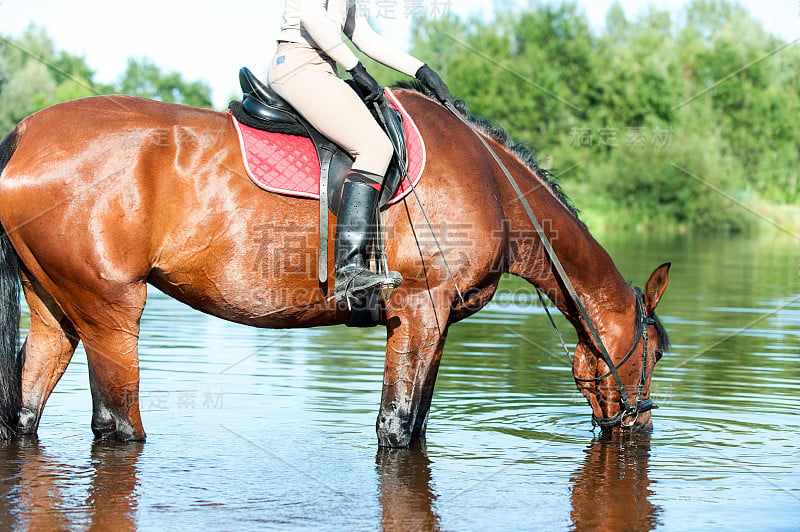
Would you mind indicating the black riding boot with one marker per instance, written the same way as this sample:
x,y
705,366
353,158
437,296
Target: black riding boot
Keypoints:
x,y
354,232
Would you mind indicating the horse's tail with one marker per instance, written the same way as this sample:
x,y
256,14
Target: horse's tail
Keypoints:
x,y
11,358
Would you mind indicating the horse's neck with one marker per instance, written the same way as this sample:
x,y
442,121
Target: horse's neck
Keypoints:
x,y
598,283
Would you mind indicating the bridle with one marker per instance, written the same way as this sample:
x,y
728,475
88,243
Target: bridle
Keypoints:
x,y
639,405
641,335
627,409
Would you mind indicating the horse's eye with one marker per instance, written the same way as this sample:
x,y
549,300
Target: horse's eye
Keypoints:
x,y
659,354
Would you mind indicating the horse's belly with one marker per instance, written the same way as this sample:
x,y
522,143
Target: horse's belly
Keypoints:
x,y
264,302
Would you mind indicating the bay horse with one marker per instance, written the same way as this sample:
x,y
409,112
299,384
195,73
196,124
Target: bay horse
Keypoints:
x,y
100,197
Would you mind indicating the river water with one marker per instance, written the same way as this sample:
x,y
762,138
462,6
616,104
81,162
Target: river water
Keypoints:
x,y
258,429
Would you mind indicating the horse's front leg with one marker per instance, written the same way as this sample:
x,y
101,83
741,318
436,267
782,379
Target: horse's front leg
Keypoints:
x,y
413,350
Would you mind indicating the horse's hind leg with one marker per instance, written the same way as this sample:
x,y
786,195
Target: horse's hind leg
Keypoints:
x,y
110,335
109,329
48,350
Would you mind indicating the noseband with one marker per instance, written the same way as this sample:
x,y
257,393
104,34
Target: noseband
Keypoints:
x,y
639,405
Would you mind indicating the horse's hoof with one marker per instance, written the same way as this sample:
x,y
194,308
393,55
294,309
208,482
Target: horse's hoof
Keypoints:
x,y
111,428
394,441
393,433
27,422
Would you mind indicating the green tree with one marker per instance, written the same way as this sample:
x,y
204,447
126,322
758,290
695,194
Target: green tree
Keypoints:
x,y
653,112
26,91
34,75
144,78
751,79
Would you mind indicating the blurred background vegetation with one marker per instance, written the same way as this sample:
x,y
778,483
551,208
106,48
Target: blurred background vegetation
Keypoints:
x,y
643,118
670,121
34,75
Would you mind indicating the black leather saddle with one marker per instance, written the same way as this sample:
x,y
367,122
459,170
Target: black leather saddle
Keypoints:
x,y
262,108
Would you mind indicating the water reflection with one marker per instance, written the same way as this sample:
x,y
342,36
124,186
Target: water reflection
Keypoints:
x,y
406,498
112,498
611,491
38,490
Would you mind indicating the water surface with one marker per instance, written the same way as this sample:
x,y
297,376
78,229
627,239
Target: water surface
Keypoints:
x,y
260,429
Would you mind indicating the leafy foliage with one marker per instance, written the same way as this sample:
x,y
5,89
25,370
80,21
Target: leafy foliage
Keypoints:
x,y
144,78
33,75
647,119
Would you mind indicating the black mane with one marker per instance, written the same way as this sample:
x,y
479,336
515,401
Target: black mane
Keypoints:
x,y
524,153
661,333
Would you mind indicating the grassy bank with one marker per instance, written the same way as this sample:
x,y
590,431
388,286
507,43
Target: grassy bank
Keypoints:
x,y
755,218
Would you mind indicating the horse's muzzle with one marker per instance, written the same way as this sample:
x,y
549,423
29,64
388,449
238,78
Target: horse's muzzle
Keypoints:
x,y
643,422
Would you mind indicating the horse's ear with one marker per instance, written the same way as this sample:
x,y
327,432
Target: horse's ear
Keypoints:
x,y
655,286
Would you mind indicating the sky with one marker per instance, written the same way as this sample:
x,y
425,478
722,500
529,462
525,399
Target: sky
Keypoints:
x,y
209,40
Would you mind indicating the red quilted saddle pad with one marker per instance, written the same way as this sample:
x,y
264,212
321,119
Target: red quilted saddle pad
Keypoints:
x,y
287,164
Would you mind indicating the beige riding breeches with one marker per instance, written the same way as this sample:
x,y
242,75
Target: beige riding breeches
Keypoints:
x,y
306,79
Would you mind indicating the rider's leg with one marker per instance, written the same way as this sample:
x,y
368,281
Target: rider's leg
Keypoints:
x,y
354,232
309,83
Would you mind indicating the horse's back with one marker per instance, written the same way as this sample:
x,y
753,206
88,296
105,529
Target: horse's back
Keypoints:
x,y
114,128
114,110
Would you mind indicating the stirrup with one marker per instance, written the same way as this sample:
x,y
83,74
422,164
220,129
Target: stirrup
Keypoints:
x,y
386,284
391,281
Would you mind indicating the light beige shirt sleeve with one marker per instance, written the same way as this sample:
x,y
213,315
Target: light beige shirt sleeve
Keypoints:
x,y
327,34
321,25
358,29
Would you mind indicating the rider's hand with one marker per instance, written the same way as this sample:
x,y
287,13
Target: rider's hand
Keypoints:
x,y
432,80
370,88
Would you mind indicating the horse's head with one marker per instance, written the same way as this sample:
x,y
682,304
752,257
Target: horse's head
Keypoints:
x,y
620,395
